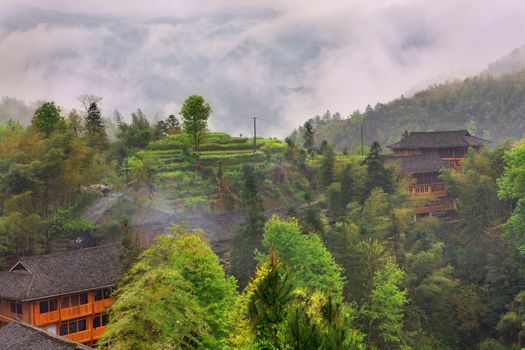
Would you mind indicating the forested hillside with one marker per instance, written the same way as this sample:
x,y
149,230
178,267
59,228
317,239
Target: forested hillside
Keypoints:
x,y
343,266
488,106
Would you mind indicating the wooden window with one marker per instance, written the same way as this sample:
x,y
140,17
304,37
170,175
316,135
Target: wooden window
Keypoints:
x,y
101,294
44,306
48,305
53,304
73,326
63,329
100,320
15,308
83,298
74,300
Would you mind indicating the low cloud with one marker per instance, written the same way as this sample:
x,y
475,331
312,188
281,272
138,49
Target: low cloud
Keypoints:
x,y
273,59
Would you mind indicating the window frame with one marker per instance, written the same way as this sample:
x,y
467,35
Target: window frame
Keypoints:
x,y
103,294
81,296
65,302
102,319
43,303
76,325
15,307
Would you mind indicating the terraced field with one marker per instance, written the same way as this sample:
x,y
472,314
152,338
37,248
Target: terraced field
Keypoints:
x,y
185,189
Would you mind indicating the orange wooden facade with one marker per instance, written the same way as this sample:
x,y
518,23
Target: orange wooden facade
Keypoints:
x,y
80,317
434,195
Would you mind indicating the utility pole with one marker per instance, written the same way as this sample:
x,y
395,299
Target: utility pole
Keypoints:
x,y
254,134
362,149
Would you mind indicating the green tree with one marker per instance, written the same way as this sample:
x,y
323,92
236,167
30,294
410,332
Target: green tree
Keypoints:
x,y
382,313
274,314
512,188
326,170
46,118
512,323
96,132
248,237
75,121
268,297
377,174
309,138
311,263
175,296
195,112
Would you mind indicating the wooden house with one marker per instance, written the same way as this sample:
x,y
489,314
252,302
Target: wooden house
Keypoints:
x,y
66,293
423,155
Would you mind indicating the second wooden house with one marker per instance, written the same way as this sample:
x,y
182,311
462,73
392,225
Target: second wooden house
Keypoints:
x,y
423,155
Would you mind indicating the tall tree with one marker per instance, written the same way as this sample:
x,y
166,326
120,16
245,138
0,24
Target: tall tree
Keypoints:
x,y
377,174
326,170
96,132
308,138
273,314
75,121
46,118
312,264
248,237
195,112
512,188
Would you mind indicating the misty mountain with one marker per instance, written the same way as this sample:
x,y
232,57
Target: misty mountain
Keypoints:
x,y
490,105
513,62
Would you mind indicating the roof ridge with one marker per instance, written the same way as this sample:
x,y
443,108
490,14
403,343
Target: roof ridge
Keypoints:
x,y
440,131
72,251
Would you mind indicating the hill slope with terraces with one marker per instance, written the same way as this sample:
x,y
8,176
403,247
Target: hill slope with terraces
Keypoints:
x,y
214,187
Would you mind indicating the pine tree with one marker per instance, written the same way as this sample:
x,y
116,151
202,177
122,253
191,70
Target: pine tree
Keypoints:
x,y
248,238
308,138
96,131
327,167
269,297
377,174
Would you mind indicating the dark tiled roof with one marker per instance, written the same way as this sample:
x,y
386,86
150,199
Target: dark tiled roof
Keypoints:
x,y
18,336
439,139
425,163
62,273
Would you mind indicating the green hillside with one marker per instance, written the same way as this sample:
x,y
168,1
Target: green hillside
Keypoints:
x,y
222,157
491,107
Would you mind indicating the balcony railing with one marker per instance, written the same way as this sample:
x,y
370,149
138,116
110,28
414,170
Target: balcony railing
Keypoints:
x,y
102,305
454,163
46,318
97,332
443,204
76,311
80,337
435,189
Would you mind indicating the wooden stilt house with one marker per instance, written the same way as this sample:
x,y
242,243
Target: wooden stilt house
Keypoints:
x,y
66,293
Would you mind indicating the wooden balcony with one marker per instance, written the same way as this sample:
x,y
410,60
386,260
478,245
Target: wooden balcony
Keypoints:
x,y
97,332
454,163
76,311
80,337
46,318
101,305
434,206
437,189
